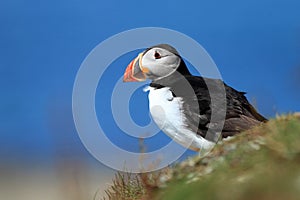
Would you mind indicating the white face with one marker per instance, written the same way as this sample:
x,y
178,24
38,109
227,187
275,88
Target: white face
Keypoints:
x,y
160,63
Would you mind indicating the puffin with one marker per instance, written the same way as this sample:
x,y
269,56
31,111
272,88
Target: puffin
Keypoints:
x,y
181,104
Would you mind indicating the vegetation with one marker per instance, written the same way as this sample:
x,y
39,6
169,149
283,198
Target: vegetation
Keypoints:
x,y
262,163
126,186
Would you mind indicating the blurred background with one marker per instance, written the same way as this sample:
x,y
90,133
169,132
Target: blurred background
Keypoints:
x,y
255,44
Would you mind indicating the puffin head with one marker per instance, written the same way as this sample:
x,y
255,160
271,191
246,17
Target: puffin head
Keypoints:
x,y
155,63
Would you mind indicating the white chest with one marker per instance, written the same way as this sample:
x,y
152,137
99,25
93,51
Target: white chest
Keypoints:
x,y
166,111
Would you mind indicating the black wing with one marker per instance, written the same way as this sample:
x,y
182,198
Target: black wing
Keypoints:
x,y
240,114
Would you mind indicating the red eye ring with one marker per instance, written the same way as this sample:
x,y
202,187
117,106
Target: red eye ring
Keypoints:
x,y
157,55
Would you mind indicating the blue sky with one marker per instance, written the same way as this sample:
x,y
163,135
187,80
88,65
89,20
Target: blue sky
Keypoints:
x,y
255,44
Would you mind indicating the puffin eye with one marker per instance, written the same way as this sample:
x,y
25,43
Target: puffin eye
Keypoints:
x,y
157,55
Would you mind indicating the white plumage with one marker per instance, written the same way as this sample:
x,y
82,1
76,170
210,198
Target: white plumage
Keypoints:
x,y
166,111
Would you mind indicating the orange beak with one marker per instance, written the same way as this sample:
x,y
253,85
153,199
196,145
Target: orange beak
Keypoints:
x,y
134,71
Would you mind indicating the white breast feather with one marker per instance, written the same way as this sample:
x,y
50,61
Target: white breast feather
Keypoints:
x,y
166,111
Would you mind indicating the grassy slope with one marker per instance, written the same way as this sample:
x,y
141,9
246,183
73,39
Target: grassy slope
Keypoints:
x,y
263,163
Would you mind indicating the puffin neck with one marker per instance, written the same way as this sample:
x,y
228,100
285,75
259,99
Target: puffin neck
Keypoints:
x,y
182,69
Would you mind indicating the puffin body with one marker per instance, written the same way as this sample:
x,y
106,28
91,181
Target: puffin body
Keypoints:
x,y
180,103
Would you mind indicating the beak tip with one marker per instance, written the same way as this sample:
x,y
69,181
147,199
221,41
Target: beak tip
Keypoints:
x,y
130,75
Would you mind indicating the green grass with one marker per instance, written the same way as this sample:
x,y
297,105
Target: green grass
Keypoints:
x,y
262,163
